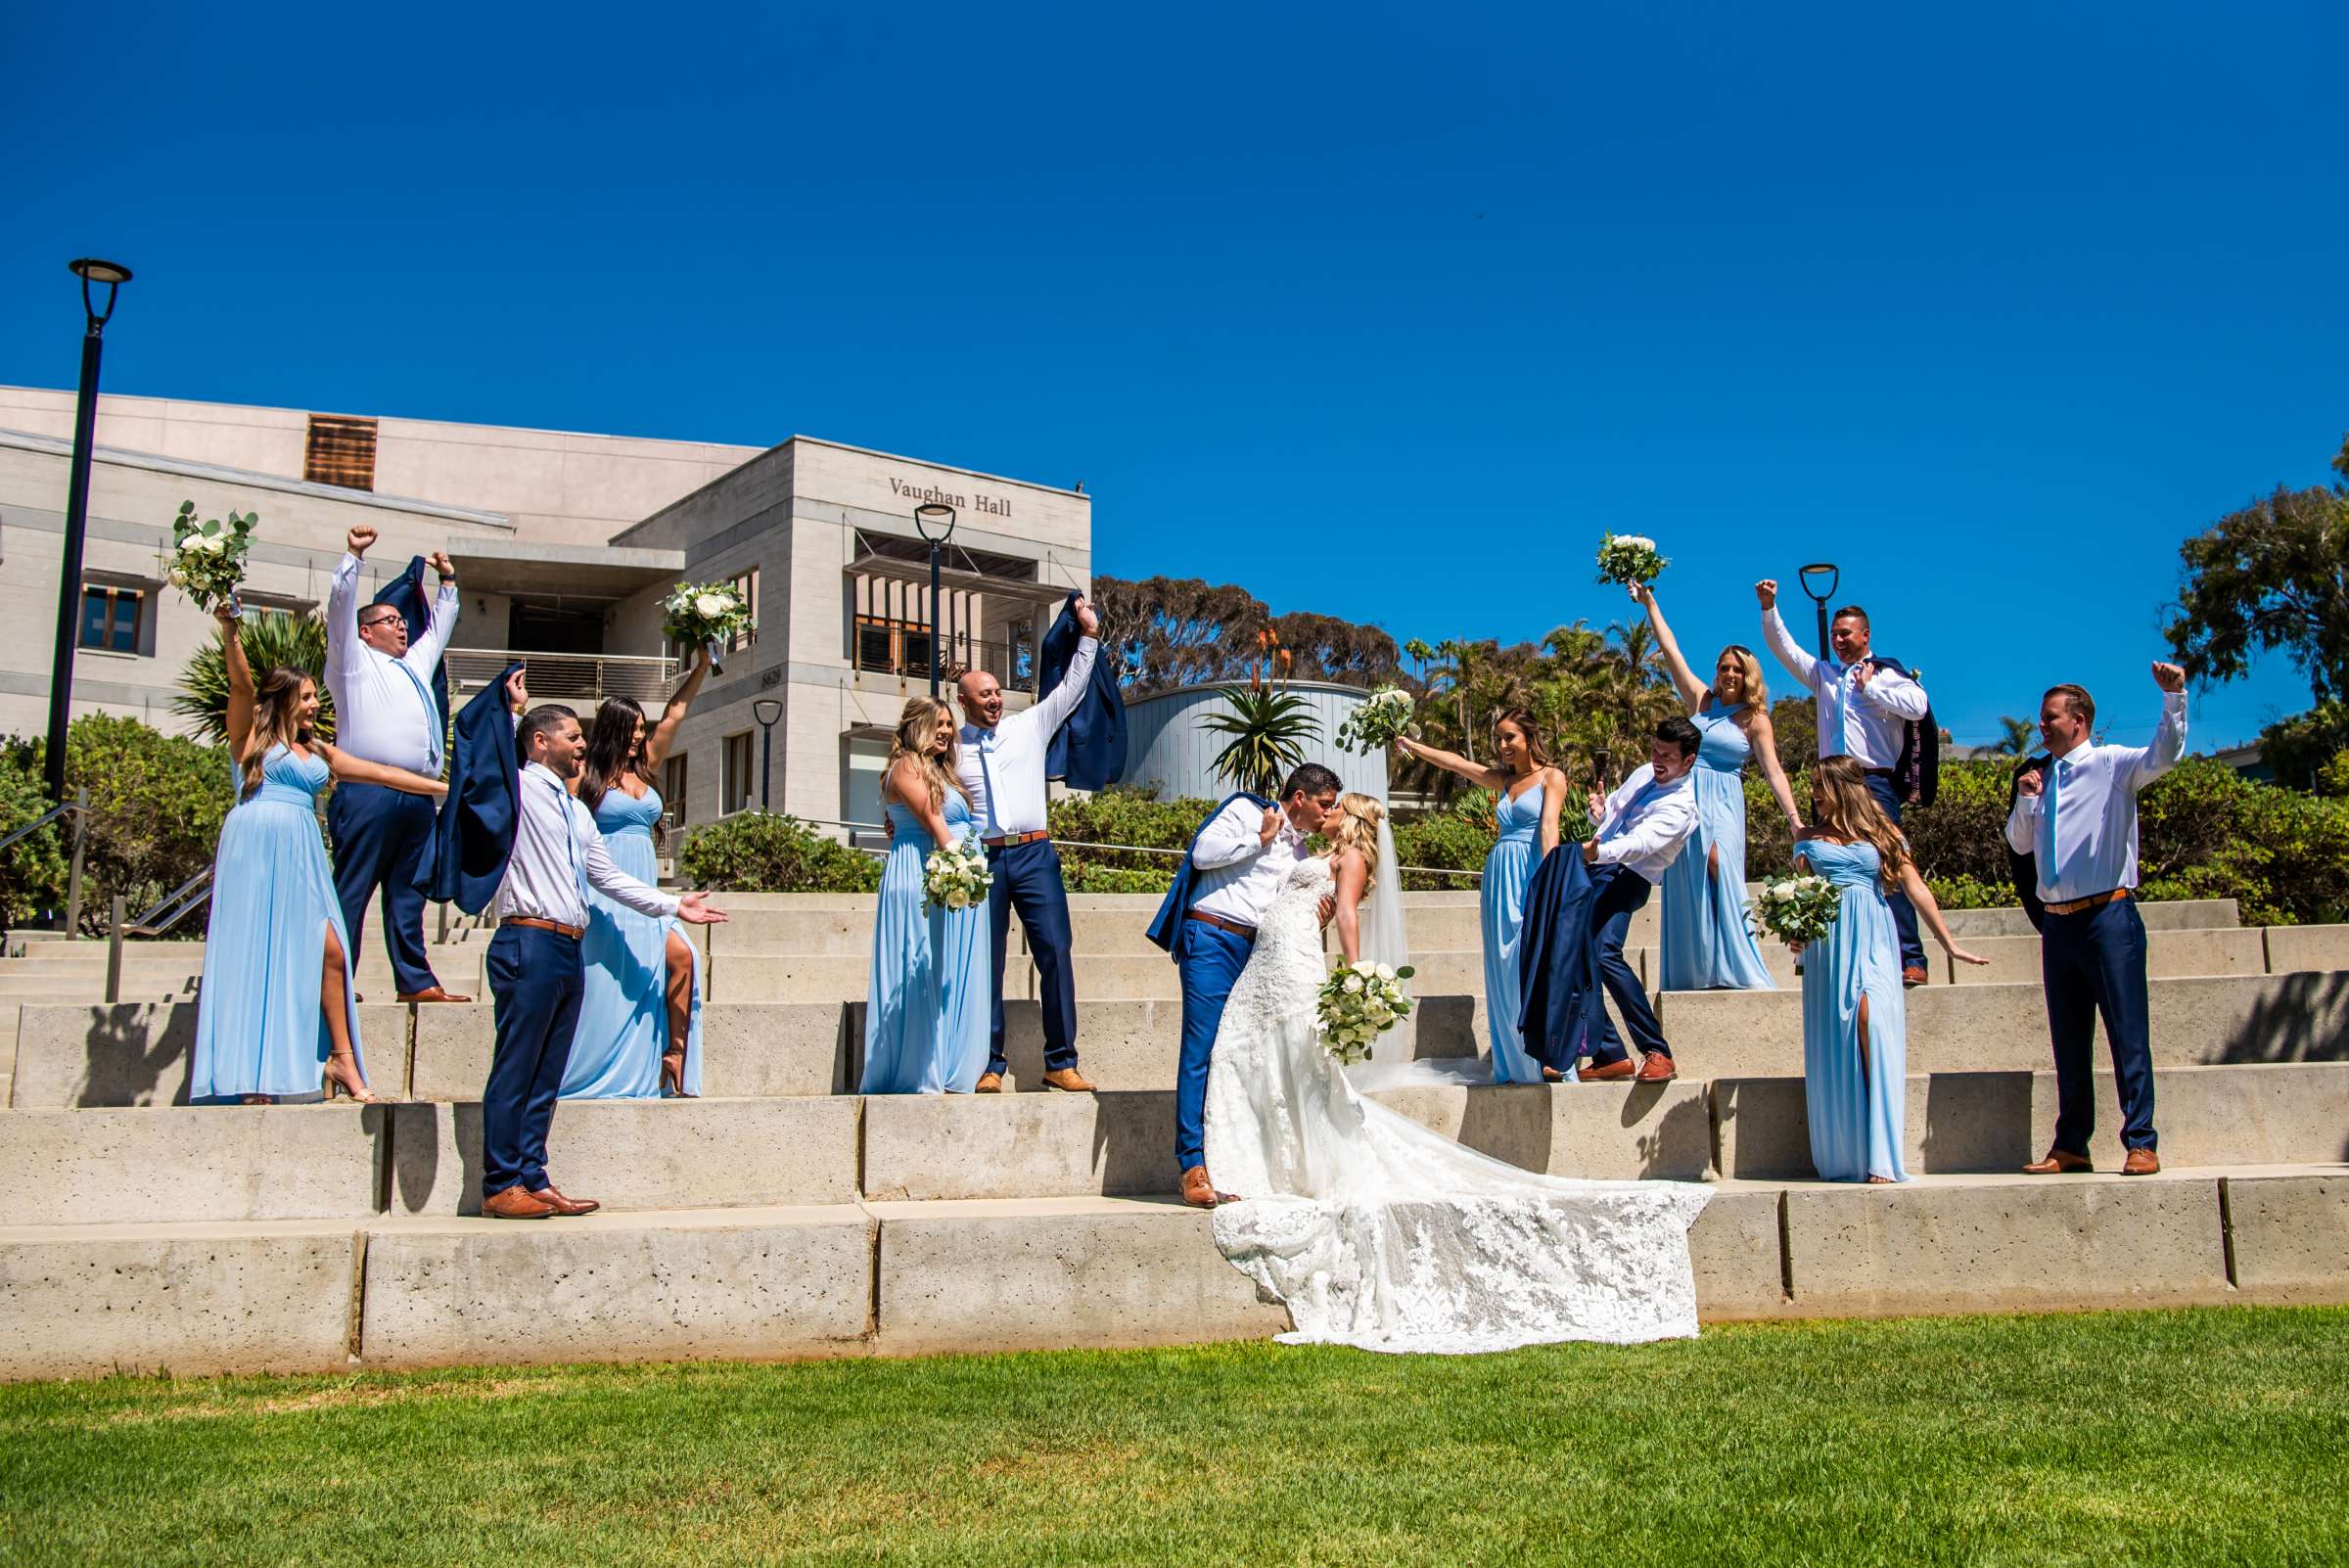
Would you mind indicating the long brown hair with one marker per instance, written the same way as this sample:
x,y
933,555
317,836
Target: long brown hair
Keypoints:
x,y
1841,804
275,703
1536,753
611,750
917,726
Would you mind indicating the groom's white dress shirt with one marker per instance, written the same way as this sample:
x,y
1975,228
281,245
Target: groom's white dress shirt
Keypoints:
x,y
2090,792
1002,769
558,853
1643,825
1238,874
384,707
1868,721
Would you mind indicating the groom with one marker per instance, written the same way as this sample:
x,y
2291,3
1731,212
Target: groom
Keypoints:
x,y
1222,891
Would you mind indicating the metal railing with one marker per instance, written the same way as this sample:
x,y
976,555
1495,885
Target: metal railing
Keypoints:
x,y
857,830
78,808
583,678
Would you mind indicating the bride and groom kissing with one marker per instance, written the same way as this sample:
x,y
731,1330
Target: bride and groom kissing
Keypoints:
x,y
1372,1229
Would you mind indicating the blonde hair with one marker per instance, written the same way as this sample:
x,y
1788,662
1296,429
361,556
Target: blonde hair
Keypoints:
x,y
1841,804
276,722
1757,690
917,726
1354,825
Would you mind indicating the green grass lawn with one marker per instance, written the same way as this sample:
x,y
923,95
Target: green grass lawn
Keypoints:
x,y
2124,1438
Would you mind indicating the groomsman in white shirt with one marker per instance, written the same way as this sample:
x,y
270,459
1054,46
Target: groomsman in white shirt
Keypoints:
x,y
533,961
1641,830
2079,818
385,710
1866,706
1001,764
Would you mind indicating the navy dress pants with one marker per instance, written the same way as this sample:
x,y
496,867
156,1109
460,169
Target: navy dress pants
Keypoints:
x,y
535,983
1903,913
1027,877
1616,895
2095,962
383,838
1209,961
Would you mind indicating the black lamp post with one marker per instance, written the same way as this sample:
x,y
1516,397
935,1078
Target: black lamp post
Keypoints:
x,y
926,517
1820,597
77,515
767,712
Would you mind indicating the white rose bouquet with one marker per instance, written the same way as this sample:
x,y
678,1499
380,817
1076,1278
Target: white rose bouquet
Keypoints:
x,y
1629,558
709,613
957,878
1360,1001
1373,726
208,560
1796,909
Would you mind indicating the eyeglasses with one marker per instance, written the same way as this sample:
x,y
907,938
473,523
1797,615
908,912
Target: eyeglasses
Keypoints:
x,y
381,621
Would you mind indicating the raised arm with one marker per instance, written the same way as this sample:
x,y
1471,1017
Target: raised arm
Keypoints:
x,y
1353,874
1763,736
426,651
2168,736
359,770
663,735
1783,646
342,605
1492,779
1053,710
1928,909
239,681
1693,690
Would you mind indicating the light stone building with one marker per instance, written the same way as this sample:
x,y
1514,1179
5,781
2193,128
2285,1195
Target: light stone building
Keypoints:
x,y
565,546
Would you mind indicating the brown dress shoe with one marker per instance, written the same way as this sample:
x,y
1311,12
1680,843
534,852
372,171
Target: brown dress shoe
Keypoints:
x,y
1070,1080
514,1204
1627,1068
561,1205
2059,1162
2141,1162
1199,1192
988,1084
1912,977
434,993
1658,1068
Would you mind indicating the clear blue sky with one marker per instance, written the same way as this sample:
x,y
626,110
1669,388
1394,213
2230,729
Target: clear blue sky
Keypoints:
x,y
1386,314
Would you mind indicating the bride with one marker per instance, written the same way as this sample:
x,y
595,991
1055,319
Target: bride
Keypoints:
x,y
1378,1232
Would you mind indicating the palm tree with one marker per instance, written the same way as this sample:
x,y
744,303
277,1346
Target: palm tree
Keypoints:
x,y
2017,740
271,637
1267,728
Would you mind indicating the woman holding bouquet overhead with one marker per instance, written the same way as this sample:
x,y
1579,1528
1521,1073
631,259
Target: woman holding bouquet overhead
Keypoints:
x,y
277,1009
1707,944
639,1033
928,1005
1855,1011
1530,793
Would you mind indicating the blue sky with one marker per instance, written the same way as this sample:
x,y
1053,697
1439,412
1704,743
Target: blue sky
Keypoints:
x,y
1387,313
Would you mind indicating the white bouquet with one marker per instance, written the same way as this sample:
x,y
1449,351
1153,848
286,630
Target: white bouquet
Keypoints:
x,y
208,560
1627,558
1373,726
1796,908
706,614
1360,1001
956,877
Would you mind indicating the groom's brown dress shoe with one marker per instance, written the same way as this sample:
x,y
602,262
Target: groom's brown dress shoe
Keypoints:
x,y
566,1207
1068,1080
1658,1068
988,1084
2059,1162
514,1204
1199,1192
434,993
2141,1162
1627,1068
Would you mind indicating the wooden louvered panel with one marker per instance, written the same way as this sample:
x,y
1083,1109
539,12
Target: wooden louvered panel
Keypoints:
x,y
342,451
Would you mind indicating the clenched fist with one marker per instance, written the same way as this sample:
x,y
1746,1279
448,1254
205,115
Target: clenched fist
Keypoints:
x,y
359,540
1766,592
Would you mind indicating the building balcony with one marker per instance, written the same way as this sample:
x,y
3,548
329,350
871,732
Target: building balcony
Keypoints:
x,y
576,680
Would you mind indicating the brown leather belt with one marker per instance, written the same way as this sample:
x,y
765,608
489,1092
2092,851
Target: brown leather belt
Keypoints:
x,y
574,933
1014,840
2092,901
1221,924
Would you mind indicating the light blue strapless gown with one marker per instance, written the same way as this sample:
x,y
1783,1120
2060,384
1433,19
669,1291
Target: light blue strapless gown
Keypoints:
x,y
1858,1105
259,1027
1501,911
623,1007
928,1005
1707,944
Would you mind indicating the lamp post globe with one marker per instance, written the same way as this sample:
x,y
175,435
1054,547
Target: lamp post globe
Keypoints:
x,y
933,521
111,275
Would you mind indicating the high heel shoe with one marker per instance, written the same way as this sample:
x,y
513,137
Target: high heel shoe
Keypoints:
x,y
354,1087
672,1076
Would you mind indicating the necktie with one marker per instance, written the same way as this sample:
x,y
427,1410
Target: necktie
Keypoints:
x,y
571,844
987,782
2047,826
1839,707
432,714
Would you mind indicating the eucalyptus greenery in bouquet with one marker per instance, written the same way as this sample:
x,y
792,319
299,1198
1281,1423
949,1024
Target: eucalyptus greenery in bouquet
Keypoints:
x,y
208,560
706,614
1360,1001
1796,909
956,877
1373,726
1627,558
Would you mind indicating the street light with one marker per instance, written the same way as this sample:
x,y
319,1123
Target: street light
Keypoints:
x,y
927,516
77,515
1820,597
767,712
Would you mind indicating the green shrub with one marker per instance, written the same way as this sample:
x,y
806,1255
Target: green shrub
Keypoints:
x,y
32,871
1965,892
1963,834
1085,876
760,851
2206,832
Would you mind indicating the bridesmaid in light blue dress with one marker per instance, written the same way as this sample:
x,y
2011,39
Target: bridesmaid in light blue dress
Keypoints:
x,y
1855,1008
928,1012
1530,794
277,1017
1707,942
639,1033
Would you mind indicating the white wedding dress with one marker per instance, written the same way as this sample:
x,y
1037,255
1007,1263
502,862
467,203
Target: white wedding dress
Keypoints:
x,y
1377,1231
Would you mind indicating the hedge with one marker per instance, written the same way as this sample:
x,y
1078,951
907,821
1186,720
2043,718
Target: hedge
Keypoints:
x,y
764,852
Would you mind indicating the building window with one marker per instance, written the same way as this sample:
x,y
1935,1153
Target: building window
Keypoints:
x,y
673,779
340,452
893,647
734,780
112,619
746,587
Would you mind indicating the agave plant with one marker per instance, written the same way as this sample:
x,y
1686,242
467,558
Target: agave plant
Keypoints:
x,y
271,637
1268,729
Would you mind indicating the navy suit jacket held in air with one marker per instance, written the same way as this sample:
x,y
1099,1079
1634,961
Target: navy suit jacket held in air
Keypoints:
x,y
475,834
1088,751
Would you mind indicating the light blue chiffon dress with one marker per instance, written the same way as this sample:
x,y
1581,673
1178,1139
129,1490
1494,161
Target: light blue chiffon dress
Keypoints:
x,y
1858,1103
929,1004
1501,911
1707,942
259,1026
624,1004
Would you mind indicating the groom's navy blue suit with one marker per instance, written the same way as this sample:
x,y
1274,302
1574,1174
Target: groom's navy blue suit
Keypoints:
x,y
1208,959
